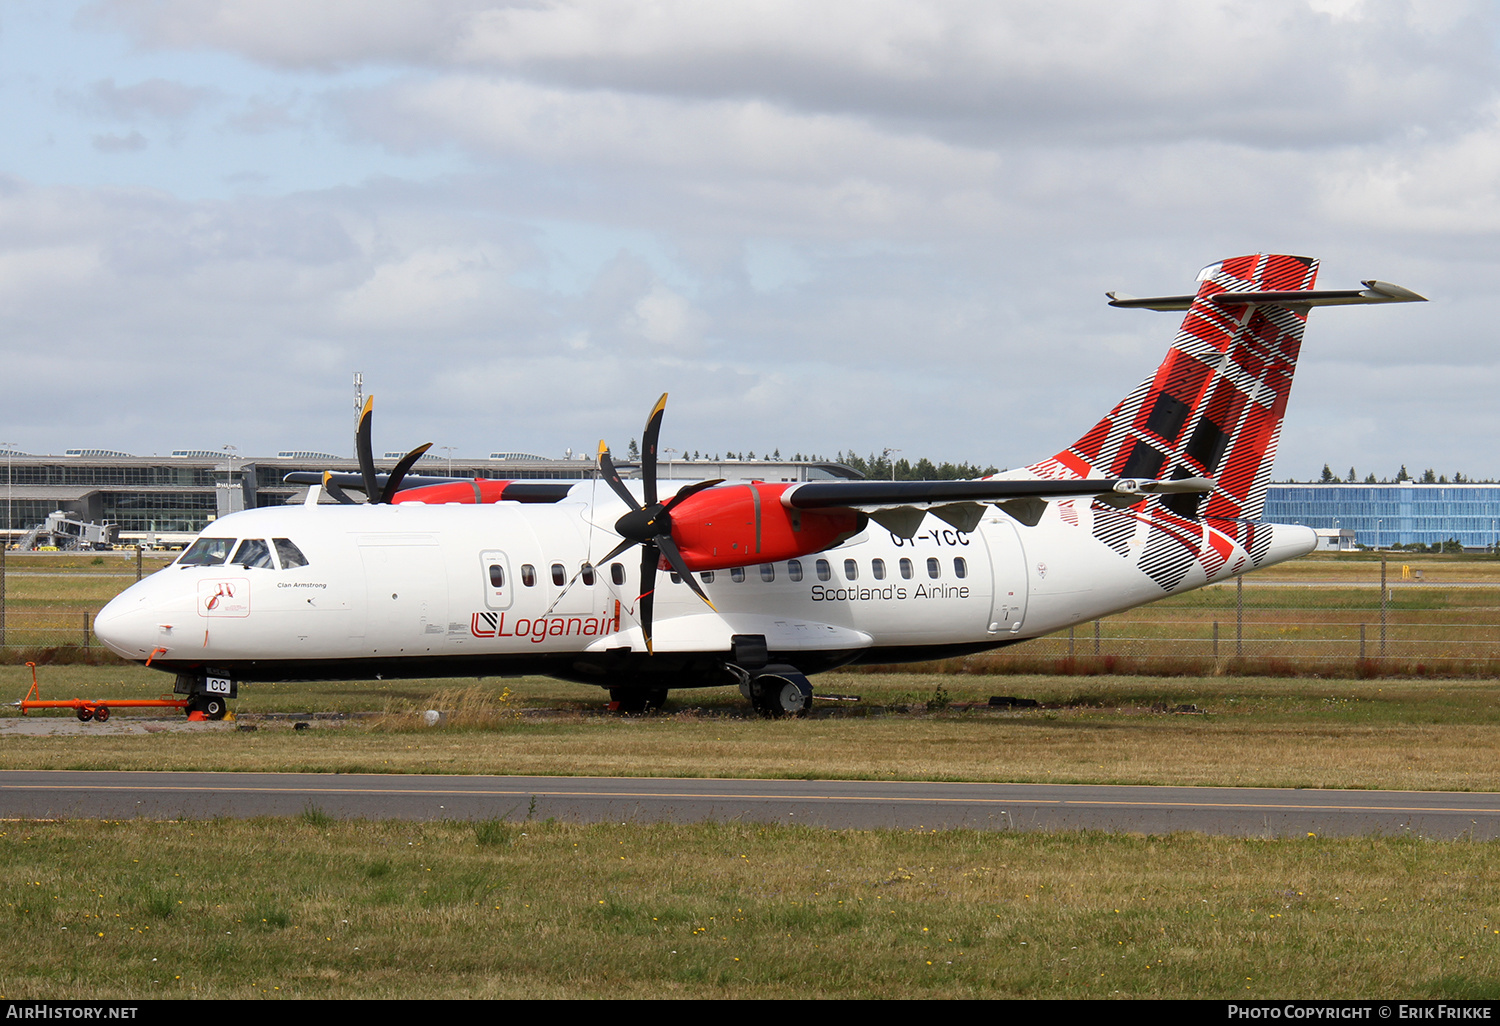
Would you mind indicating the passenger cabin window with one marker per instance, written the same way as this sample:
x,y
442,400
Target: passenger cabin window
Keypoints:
x,y
559,575
253,554
960,567
288,553
737,575
588,575
528,575
906,569
617,573
877,568
206,552
934,568
767,572
824,572
851,570
794,569
707,576
497,576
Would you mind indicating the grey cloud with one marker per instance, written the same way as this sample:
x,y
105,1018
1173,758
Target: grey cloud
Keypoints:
x,y
260,115
958,189
1273,74
153,98
997,353
289,33
111,142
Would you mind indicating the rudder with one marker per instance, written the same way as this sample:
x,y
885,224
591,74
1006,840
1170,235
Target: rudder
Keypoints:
x,y
1214,406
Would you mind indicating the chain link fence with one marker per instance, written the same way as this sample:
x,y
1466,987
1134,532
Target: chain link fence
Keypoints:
x,y
1335,618
1338,619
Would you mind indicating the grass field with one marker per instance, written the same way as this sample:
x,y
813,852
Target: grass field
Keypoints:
x,y
312,907
1281,732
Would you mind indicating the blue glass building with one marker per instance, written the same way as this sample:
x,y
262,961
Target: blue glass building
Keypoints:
x,y
1382,515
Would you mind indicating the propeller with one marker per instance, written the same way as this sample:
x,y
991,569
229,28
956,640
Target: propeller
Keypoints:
x,y
364,451
650,525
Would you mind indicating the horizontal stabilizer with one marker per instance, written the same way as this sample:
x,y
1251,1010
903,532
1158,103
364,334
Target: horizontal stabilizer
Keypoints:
x,y
1373,292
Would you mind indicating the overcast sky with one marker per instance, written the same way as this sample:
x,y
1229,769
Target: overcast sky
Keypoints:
x,y
819,226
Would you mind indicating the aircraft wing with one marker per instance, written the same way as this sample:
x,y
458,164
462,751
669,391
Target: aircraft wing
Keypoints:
x,y
517,491
899,506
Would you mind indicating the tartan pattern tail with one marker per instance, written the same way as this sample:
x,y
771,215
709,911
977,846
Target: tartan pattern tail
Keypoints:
x,y
1215,405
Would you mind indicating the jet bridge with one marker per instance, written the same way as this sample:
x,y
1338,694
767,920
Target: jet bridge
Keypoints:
x,y
66,534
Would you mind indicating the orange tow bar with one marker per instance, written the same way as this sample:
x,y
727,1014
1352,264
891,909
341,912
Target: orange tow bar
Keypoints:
x,y
91,709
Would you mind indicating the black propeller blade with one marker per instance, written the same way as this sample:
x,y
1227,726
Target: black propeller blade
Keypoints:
x,y
650,525
393,483
339,495
365,453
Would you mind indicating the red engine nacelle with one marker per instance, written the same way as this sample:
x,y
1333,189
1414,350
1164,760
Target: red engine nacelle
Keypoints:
x,y
743,524
478,490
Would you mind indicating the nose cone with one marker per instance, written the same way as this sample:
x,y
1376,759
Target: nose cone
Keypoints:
x,y
125,625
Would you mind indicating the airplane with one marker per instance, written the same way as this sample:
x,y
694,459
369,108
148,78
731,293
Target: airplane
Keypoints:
x,y
752,583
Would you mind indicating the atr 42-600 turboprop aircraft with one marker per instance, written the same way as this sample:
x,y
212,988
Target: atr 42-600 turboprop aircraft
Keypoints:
x,y
753,583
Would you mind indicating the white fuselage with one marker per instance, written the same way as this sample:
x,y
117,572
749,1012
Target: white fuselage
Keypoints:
x,y
470,590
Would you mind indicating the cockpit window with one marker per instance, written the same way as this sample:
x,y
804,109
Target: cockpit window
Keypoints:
x,y
253,553
288,553
206,552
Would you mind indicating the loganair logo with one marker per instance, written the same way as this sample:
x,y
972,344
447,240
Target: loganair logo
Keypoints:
x,y
224,597
539,629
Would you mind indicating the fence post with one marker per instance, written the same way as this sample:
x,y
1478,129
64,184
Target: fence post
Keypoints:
x,y
1096,637
1382,603
1216,639
1239,617
85,633
137,563
4,544
1070,642
1361,642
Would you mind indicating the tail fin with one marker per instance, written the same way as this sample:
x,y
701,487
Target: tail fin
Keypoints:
x,y
1215,405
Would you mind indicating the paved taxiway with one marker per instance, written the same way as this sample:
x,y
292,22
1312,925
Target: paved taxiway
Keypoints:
x,y
1255,812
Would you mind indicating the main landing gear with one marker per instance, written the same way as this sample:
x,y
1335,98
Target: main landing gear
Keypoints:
x,y
774,689
777,692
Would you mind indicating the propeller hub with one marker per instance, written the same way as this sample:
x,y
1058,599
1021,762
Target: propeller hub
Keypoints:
x,y
642,525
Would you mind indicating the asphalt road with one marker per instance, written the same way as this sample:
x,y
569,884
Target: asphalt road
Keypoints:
x,y
1245,812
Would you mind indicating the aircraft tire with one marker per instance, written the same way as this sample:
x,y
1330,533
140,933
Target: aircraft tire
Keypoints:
x,y
775,696
212,707
628,701
792,701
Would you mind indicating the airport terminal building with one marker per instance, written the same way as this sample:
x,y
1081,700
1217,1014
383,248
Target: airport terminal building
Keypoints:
x,y
167,500
1382,515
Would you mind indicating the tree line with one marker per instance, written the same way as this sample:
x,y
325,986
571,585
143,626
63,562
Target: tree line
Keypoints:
x,y
1429,476
874,466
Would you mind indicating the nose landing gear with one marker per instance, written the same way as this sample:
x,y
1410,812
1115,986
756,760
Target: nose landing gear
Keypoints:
x,y
636,700
208,694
